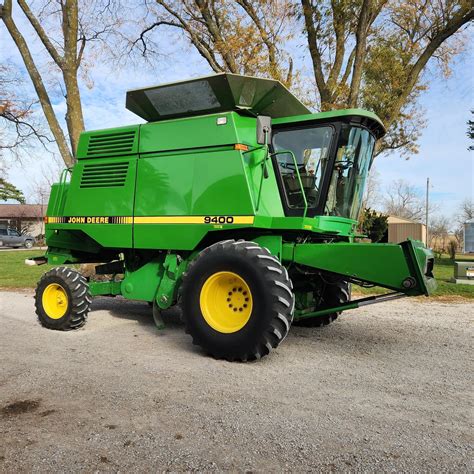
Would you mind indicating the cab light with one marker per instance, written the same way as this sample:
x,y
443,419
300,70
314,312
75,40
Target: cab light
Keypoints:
x,y
241,147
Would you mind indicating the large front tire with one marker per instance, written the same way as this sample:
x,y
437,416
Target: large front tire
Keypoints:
x,y
62,299
237,301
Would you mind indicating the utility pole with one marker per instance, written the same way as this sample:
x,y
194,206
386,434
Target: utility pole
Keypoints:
x,y
427,212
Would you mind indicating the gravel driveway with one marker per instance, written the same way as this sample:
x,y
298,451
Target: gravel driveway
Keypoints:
x,y
385,388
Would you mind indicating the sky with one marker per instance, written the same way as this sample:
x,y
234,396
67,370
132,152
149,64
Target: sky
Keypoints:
x,y
443,147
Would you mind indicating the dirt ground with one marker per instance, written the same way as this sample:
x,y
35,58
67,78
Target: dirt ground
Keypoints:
x,y
385,388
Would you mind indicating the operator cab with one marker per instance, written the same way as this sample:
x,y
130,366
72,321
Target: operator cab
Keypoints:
x,y
322,167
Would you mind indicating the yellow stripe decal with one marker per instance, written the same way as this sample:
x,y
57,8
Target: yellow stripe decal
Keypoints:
x,y
195,220
220,220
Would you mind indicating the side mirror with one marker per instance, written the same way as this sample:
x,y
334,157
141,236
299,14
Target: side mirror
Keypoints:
x,y
264,129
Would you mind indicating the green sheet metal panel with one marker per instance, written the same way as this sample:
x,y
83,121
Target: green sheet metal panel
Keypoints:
x,y
186,133
387,265
101,188
216,93
177,194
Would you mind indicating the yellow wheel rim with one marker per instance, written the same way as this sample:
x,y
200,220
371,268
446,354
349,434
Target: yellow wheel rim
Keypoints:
x,y
226,302
55,301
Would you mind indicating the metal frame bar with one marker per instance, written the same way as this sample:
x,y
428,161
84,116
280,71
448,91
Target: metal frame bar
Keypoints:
x,y
352,305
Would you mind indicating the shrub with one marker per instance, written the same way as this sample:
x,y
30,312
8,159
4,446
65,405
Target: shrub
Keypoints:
x,y
374,225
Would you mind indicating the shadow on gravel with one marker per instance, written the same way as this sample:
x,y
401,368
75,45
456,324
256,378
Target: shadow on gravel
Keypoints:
x,y
136,311
342,336
348,335
141,312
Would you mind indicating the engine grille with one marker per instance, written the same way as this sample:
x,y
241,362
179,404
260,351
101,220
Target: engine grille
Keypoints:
x,y
104,175
112,143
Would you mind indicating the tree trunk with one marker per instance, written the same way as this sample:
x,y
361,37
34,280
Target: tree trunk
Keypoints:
x,y
324,92
38,84
74,118
360,52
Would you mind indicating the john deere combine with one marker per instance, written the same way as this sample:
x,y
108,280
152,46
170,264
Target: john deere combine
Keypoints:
x,y
234,201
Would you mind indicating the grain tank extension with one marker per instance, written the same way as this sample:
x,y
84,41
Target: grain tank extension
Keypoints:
x,y
233,201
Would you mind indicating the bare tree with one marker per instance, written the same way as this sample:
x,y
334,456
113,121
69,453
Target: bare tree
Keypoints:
x,y
465,214
466,210
39,187
65,31
372,191
238,36
19,127
439,233
404,200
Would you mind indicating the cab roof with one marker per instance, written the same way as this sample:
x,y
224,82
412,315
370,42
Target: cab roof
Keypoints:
x,y
358,116
217,93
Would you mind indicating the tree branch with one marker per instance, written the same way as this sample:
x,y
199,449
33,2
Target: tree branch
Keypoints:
x,y
466,15
41,33
216,35
38,84
203,49
360,51
141,38
350,62
324,92
339,30
271,47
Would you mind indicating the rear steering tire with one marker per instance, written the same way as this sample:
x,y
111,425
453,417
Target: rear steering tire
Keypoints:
x,y
237,301
62,299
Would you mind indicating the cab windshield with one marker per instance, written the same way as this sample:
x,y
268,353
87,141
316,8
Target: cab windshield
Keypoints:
x,y
353,159
308,151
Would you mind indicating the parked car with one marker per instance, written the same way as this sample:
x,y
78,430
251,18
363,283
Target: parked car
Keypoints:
x,y
12,238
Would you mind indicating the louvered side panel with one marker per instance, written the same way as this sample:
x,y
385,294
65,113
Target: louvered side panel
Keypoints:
x,y
102,144
104,175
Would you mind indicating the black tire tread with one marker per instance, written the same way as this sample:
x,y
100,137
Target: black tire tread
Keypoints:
x,y
278,284
80,298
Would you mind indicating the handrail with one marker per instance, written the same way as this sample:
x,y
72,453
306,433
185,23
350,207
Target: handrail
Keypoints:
x,y
264,164
281,152
58,201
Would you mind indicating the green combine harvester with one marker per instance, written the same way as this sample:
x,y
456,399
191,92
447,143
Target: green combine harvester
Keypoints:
x,y
233,201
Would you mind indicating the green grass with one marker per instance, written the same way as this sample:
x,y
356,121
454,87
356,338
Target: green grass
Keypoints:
x,y
15,274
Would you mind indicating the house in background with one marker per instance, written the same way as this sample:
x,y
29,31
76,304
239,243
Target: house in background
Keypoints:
x,y
27,218
400,229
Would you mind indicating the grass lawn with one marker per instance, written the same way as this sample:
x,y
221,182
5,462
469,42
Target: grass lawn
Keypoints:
x,y
15,274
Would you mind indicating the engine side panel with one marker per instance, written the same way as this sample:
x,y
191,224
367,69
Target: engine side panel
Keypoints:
x,y
180,198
